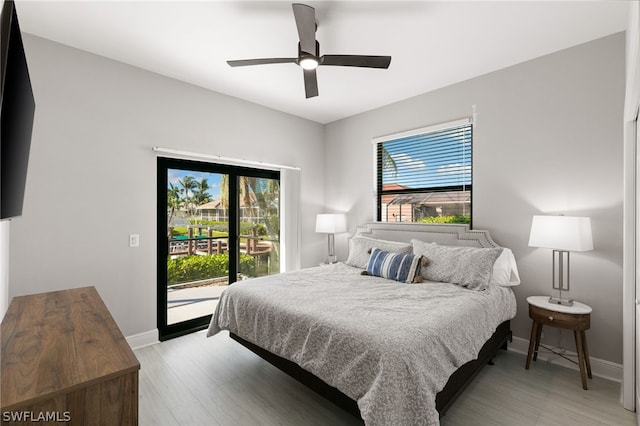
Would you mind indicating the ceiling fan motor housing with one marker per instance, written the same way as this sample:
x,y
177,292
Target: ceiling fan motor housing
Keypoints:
x,y
308,55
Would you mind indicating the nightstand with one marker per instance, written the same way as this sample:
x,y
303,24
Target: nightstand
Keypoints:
x,y
576,317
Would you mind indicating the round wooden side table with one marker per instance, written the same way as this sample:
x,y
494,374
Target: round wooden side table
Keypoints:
x,y
576,317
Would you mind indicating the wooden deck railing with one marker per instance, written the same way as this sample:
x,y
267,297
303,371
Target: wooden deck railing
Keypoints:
x,y
201,243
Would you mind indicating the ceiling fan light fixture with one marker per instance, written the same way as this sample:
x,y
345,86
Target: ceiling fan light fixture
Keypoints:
x,y
309,57
309,63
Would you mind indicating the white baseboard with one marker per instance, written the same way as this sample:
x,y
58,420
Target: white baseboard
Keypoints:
x,y
141,340
599,367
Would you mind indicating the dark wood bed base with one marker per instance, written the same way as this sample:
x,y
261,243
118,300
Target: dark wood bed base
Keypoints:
x,y
454,387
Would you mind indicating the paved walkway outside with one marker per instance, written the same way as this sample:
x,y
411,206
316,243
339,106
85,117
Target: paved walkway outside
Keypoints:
x,y
187,303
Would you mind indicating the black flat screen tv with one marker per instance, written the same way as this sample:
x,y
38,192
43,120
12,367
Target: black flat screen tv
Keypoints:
x,y
16,115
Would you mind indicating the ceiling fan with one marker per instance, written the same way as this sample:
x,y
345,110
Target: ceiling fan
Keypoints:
x,y
309,52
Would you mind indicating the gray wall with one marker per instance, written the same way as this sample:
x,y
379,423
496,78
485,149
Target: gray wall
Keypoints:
x,y
92,174
548,140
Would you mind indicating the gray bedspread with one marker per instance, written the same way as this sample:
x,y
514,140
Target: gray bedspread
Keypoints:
x,y
389,346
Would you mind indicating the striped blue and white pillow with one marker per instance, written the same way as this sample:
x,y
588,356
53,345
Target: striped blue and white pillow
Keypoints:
x,y
396,266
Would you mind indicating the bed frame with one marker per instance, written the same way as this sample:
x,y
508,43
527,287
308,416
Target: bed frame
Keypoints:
x,y
449,234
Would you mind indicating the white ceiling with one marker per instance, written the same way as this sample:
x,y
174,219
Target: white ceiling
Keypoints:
x,y
432,43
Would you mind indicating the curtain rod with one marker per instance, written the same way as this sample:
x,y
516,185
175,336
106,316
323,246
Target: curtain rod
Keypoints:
x,y
222,159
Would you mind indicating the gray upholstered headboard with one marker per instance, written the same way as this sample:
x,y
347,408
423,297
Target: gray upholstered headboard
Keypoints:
x,y
442,233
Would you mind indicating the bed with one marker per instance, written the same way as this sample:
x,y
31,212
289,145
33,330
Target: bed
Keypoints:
x,y
389,351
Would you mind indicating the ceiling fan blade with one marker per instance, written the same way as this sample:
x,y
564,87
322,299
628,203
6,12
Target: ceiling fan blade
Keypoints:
x,y
356,61
245,62
310,83
306,23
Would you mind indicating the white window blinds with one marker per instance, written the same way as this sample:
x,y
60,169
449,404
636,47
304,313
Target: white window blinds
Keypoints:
x,y
426,175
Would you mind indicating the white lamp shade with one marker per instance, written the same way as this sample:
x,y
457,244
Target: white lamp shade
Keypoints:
x,y
567,233
331,223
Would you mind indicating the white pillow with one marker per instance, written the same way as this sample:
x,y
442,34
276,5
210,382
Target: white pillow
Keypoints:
x,y
505,270
469,267
360,249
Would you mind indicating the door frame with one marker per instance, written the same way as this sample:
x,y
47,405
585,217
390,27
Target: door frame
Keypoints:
x,y
169,331
631,218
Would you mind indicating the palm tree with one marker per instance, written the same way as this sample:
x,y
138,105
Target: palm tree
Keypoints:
x,y
268,199
188,184
224,192
247,196
388,162
174,202
200,194
269,202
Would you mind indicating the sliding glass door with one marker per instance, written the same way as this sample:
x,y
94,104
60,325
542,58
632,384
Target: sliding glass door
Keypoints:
x,y
217,224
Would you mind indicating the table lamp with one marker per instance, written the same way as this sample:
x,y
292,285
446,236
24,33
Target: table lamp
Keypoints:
x,y
331,224
562,234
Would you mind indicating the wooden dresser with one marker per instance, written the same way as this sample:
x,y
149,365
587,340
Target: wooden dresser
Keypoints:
x,y
64,359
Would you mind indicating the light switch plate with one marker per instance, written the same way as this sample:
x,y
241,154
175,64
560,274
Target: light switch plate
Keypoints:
x,y
134,240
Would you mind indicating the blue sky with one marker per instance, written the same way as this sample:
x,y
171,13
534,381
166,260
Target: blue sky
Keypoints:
x,y
175,175
430,160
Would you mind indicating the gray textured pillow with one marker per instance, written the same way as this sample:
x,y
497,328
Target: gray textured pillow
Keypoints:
x,y
469,267
360,249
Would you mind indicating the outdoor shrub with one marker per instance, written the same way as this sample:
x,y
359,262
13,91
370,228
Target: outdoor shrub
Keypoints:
x,y
247,265
446,219
194,268
261,230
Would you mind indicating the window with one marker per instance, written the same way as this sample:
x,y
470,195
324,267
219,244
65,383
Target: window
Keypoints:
x,y
424,175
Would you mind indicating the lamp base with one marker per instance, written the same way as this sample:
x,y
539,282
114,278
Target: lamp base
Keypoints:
x,y
559,301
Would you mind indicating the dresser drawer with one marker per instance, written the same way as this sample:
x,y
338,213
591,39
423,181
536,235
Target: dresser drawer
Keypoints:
x,y
560,319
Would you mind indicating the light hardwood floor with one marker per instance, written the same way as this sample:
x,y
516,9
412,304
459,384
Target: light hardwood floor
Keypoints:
x,y
193,380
